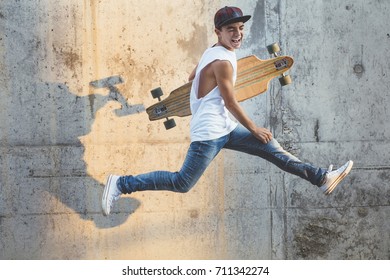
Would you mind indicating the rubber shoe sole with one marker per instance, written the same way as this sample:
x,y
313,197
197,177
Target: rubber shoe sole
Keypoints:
x,y
106,204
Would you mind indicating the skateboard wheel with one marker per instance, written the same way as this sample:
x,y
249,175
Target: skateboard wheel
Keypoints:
x,y
273,48
170,123
285,80
157,92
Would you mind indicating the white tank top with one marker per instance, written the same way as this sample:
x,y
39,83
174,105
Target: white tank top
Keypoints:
x,y
210,118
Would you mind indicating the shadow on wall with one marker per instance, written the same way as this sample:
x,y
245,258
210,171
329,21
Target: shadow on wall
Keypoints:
x,y
43,169
61,118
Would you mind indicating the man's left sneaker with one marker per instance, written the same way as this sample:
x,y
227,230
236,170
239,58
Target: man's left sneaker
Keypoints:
x,y
111,194
333,178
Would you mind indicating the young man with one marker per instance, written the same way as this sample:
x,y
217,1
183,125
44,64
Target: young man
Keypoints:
x,y
212,98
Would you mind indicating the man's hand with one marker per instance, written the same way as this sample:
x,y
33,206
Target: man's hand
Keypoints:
x,y
263,134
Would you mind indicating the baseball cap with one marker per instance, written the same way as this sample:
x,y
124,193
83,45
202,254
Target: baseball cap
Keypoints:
x,y
229,15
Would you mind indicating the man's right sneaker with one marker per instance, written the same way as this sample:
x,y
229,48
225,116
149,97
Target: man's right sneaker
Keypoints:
x,y
111,193
333,178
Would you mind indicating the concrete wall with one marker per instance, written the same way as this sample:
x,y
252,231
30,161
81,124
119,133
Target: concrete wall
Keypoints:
x,y
75,78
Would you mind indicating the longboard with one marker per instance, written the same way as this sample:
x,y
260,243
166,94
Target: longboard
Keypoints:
x,y
253,78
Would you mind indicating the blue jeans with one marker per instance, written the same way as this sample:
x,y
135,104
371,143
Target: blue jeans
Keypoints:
x,y
201,153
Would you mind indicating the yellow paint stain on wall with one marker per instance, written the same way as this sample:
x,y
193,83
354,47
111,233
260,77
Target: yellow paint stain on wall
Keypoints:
x,y
148,45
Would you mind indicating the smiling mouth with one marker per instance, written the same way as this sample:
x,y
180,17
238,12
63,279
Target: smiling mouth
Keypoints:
x,y
236,41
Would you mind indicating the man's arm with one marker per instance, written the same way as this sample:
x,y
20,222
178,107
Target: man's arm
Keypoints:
x,y
192,75
223,72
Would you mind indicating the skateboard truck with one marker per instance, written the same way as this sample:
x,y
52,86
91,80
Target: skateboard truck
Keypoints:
x,y
157,93
273,50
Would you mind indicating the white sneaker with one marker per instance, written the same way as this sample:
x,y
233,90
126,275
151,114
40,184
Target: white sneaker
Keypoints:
x,y
111,193
333,178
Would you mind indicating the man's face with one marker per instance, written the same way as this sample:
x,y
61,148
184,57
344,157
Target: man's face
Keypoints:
x,y
230,36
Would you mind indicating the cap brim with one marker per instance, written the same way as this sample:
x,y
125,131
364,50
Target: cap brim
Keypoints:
x,y
234,20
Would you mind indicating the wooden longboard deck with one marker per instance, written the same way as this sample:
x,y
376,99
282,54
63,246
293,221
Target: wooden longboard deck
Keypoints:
x,y
253,77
